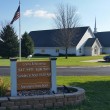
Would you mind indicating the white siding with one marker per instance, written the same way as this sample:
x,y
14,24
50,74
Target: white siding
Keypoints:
x,y
88,51
53,50
46,50
71,50
82,42
106,50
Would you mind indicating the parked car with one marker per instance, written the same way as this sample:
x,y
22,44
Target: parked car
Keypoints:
x,y
107,58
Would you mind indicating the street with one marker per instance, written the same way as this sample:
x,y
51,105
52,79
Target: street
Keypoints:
x,y
71,71
83,71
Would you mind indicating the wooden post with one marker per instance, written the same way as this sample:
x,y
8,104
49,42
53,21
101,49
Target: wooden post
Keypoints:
x,y
53,76
13,72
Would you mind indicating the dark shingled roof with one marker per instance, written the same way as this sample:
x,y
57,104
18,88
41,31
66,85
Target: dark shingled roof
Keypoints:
x,y
89,42
46,38
104,38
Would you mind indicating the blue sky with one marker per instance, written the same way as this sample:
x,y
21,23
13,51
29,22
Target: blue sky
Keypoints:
x,y
37,14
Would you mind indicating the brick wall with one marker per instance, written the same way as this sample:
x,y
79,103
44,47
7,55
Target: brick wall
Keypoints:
x,y
42,101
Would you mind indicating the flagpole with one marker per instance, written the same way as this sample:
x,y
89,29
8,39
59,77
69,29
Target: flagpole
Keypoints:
x,y
19,35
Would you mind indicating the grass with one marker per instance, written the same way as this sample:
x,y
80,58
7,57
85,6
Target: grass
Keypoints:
x,y
61,61
4,85
78,61
97,91
4,62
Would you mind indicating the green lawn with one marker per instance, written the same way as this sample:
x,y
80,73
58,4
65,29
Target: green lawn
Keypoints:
x,y
61,61
4,62
97,91
77,61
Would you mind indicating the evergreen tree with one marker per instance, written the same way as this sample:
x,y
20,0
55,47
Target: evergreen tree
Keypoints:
x,y
27,45
0,48
8,48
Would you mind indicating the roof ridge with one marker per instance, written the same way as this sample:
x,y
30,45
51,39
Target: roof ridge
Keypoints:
x,y
58,29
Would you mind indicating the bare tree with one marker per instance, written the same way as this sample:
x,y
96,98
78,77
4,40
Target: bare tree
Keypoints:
x,y
66,20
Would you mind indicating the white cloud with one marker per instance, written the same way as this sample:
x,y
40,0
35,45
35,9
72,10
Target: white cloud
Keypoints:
x,y
39,13
28,13
43,14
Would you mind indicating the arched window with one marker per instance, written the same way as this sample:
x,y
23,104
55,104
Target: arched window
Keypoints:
x,y
95,50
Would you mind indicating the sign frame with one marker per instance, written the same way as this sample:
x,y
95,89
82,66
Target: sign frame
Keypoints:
x,y
13,73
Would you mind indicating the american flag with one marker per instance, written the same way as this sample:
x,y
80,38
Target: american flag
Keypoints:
x,y
16,16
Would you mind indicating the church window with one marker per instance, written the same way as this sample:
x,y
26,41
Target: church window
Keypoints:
x,y
95,50
80,50
57,50
43,51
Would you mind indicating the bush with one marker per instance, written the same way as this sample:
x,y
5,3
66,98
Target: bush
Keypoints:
x,y
3,88
62,55
41,55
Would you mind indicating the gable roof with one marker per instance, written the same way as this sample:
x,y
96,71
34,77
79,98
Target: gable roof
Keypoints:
x,y
46,38
90,42
104,38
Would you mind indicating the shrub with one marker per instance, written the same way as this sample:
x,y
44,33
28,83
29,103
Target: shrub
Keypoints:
x,y
62,55
41,55
3,88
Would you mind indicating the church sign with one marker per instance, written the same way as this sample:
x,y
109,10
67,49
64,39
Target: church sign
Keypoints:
x,y
33,75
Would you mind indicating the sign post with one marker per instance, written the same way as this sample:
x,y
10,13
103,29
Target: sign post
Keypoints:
x,y
53,77
13,72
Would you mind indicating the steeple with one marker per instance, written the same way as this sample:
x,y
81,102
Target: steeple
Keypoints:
x,y
95,28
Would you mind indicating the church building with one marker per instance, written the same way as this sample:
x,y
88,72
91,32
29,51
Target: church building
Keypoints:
x,y
85,42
